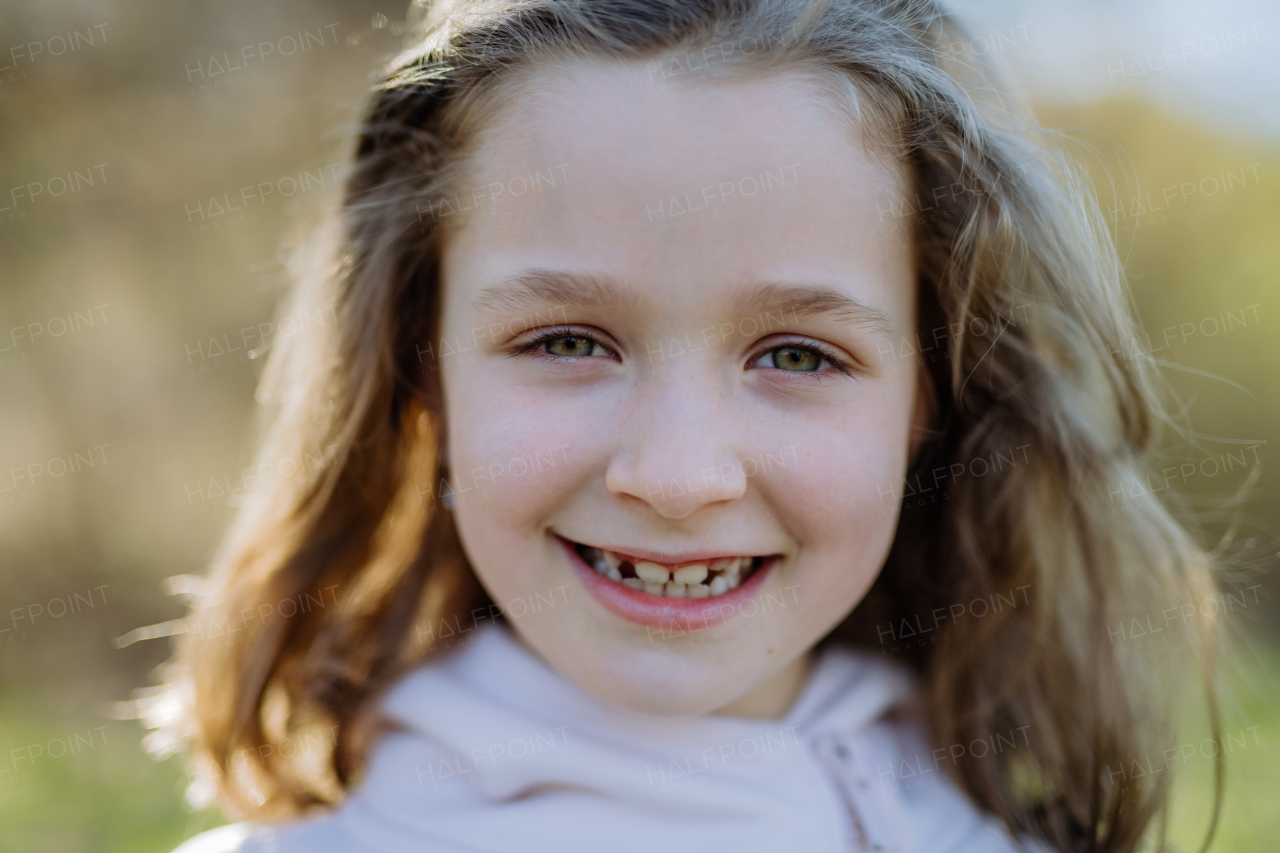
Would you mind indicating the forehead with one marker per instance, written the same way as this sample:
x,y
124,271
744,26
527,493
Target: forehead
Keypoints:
x,y
602,164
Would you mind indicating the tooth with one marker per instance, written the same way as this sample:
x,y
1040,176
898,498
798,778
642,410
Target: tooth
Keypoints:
x,y
675,590
733,581
655,588
723,563
599,566
652,573
611,559
634,583
690,574
735,567
719,586
697,590
613,574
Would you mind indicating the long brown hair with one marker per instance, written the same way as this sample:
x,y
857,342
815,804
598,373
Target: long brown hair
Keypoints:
x,y
1024,333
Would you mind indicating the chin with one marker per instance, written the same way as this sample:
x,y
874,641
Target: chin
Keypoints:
x,y
662,683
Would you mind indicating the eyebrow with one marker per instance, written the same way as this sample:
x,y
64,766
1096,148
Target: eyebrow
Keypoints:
x,y
814,300
539,288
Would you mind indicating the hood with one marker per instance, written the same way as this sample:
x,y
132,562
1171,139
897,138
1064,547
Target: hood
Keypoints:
x,y
498,752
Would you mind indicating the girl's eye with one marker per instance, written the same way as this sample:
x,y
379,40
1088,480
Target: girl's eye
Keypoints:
x,y
570,346
802,358
795,358
563,343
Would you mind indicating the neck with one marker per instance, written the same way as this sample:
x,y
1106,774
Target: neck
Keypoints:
x,y
772,698
769,700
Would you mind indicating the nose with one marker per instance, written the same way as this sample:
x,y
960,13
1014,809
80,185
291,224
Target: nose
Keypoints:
x,y
676,454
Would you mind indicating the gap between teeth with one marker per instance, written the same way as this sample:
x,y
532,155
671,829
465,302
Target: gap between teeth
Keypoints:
x,y
695,580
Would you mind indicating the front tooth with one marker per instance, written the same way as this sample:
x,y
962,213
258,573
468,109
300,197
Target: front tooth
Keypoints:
x,y
690,574
652,573
675,590
697,590
611,559
655,588
718,586
634,583
613,574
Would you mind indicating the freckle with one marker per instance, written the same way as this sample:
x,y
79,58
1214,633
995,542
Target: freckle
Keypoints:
x,y
769,652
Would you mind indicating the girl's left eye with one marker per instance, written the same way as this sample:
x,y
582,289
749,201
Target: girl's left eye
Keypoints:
x,y
798,358
794,358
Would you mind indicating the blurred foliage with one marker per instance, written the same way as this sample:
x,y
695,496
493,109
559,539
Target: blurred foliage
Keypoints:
x,y
1250,746
168,413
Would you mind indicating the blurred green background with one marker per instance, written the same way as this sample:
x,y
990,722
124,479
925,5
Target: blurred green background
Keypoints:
x,y
126,384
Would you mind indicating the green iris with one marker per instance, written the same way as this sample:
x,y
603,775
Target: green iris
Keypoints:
x,y
796,358
570,346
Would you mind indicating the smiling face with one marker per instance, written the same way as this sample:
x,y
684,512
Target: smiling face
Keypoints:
x,y
666,343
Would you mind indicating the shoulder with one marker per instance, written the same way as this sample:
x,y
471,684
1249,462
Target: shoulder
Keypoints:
x,y
322,832
925,784
224,839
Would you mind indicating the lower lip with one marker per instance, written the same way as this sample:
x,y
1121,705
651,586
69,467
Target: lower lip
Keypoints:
x,y
669,614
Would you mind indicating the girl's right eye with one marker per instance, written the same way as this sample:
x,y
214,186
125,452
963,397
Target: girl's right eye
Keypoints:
x,y
570,346
565,344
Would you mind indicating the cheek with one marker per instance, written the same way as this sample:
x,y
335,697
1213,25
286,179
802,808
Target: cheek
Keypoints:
x,y
839,497
515,452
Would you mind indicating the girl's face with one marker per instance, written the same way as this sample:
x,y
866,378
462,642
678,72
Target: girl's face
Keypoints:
x,y
667,343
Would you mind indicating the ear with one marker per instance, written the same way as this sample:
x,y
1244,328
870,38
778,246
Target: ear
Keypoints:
x,y
923,411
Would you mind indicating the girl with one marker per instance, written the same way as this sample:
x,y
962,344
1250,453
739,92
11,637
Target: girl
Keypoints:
x,y
717,448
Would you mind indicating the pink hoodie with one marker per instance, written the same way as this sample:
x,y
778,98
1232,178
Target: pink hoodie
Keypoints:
x,y
502,754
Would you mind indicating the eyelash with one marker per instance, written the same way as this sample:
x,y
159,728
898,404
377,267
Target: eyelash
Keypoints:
x,y
546,335
822,352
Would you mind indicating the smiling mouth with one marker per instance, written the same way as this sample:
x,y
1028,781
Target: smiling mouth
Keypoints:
x,y
705,579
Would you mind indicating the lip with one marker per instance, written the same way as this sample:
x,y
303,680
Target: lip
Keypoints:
x,y
668,559
667,614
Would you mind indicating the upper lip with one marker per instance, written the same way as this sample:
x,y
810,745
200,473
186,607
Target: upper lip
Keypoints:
x,y
671,557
